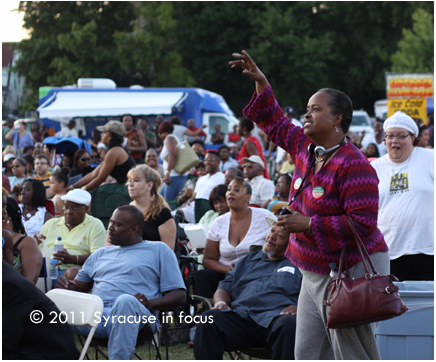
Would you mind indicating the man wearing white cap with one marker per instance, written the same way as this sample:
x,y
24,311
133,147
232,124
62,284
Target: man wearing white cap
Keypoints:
x,y
406,200
81,233
262,188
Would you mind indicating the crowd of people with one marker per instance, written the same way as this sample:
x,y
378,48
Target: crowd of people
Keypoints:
x,y
320,172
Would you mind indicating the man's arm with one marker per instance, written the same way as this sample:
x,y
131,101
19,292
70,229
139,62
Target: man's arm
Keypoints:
x,y
170,300
75,285
222,299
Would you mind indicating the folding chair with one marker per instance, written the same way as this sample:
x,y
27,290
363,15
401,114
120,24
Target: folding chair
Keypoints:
x,y
145,334
80,309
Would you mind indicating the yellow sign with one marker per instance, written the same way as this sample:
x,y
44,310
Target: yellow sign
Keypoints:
x,y
409,85
415,108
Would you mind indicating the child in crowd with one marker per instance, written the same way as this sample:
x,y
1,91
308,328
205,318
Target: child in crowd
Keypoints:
x,y
58,185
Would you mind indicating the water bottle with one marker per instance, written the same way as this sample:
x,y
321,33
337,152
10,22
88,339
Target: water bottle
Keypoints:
x,y
194,254
58,246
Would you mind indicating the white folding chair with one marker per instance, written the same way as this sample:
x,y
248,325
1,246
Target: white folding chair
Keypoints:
x,y
80,309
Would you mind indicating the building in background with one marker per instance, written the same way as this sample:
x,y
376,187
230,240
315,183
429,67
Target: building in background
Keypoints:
x,y
12,83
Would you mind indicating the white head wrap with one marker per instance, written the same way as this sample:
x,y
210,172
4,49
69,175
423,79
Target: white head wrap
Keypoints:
x,y
401,120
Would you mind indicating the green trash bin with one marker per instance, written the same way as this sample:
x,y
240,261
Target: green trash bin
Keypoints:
x,y
411,335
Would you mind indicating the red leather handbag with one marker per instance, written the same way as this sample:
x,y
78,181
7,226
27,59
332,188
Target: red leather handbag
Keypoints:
x,y
354,302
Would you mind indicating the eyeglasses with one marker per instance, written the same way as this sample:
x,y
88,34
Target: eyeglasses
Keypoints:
x,y
86,159
398,136
40,163
73,209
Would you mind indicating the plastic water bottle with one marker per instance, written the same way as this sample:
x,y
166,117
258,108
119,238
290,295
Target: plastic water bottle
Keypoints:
x,y
194,254
58,246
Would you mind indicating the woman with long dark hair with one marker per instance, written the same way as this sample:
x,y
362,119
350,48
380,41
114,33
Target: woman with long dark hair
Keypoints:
x,y
27,257
81,164
33,200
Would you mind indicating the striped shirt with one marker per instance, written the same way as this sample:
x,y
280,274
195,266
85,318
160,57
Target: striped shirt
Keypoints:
x,y
346,185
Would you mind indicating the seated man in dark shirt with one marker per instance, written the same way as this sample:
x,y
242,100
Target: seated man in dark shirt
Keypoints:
x,y
31,328
255,305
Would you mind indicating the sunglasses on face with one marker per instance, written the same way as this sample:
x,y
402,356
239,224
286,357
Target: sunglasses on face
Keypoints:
x,y
85,159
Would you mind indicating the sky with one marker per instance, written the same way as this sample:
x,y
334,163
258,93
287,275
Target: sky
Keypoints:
x,y
11,22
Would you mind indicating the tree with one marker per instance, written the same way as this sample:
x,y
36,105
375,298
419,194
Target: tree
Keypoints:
x,y
70,40
416,49
150,50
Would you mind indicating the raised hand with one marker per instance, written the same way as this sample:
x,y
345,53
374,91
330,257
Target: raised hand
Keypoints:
x,y
250,69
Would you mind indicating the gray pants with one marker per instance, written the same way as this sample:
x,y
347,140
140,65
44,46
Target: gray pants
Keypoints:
x,y
314,341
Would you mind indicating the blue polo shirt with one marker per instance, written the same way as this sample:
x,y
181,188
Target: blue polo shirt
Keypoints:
x,y
148,267
261,288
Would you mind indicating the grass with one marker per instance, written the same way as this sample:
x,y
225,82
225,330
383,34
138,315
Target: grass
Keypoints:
x,y
179,351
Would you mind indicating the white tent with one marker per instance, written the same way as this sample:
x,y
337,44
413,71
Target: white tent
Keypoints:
x,y
65,105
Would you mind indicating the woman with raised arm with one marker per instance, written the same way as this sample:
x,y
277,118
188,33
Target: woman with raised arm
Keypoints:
x,y
117,161
332,179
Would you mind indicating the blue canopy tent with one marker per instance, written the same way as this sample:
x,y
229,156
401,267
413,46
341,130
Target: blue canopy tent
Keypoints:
x,y
67,144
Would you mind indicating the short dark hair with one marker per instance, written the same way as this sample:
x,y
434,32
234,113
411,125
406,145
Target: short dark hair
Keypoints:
x,y
247,123
28,158
165,127
133,118
62,176
200,165
224,147
137,217
200,142
213,152
42,156
237,171
288,177
26,148
340,103
217,193
38,196
175,120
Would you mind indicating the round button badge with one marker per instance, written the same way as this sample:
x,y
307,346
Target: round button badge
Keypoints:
x,y
297,183
318,192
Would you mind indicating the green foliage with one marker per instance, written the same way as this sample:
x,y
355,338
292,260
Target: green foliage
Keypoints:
x,y
416,48
150,48
301,46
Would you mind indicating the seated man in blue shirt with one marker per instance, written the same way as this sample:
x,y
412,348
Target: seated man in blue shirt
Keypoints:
x,y
255,305
134,278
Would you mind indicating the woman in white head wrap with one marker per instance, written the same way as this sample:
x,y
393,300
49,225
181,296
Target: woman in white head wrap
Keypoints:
x,y
406,204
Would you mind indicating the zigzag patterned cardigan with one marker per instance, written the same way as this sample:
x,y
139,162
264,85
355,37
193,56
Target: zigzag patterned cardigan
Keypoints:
x,y
347,184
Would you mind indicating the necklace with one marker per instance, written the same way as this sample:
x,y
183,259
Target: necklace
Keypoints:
x,y
29,214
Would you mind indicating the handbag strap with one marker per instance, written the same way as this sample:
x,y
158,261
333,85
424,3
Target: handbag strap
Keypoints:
x,y
361,247
343,265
